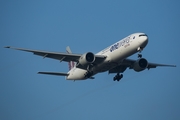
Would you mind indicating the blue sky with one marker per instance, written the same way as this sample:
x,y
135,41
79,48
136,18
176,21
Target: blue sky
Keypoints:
x,y
87,26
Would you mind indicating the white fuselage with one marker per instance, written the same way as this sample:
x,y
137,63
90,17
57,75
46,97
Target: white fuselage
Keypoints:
x,y
115,54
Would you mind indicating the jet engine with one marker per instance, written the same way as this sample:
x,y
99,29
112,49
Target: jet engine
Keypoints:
x,y
140,65
86,59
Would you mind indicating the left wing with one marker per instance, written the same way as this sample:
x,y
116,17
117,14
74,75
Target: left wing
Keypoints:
x,y
128,63
67,57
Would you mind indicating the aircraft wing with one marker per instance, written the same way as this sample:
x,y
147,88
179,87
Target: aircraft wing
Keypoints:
x,y
128,63
59,55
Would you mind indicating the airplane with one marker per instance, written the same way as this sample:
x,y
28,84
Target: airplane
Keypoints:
x,y
113,59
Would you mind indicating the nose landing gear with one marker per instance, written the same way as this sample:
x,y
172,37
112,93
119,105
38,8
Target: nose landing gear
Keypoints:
x,y
139,49
118,77
139,55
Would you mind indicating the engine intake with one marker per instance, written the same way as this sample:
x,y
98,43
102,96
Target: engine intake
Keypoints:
x,y
140,65
86,59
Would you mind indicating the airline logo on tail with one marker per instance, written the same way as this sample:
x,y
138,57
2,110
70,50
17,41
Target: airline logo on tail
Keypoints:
x,y
71,63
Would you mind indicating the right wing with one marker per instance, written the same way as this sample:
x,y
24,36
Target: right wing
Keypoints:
x,y
67,57
54,55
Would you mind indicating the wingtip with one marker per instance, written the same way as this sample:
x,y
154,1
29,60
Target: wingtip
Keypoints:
x,y
173,65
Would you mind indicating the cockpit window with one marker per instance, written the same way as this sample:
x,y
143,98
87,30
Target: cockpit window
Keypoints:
x,y
142,35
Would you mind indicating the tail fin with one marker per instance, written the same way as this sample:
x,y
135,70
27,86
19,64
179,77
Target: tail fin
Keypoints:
x,y
71,64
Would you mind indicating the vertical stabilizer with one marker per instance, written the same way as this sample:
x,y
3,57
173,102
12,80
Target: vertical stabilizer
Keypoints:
x,y
71,64
68,50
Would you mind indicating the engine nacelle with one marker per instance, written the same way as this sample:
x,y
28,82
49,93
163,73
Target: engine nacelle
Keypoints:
x,y
140,65
86,59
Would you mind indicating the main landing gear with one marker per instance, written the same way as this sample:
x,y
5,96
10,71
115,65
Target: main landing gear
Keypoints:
x,y
89,72
118,77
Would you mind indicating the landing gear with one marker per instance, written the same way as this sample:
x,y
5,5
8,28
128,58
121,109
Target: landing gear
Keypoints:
x,y
118,77
89,74
139,55
139,49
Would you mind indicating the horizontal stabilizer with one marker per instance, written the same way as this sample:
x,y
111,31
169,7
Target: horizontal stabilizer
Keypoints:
x,y
54,73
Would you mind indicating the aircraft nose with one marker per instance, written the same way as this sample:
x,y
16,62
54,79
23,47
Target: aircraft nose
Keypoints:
x,y
144,41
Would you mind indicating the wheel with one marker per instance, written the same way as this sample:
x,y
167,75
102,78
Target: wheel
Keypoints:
x,y
121,75
139,55
118,77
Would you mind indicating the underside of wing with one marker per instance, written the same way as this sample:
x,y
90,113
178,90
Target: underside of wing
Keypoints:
x,y
67,57
136,65
130,63
118,69
154,65
54,55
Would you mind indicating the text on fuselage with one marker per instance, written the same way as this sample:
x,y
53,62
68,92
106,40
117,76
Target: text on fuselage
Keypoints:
x,y
124,42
